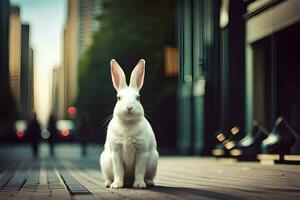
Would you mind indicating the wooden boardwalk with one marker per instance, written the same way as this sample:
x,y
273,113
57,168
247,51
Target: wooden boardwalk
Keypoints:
x,y
177,178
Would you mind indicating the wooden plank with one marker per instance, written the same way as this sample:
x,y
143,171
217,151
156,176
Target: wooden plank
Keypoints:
x,y
58,189
72,184
19,179
52,177
94,182
32,180
6,177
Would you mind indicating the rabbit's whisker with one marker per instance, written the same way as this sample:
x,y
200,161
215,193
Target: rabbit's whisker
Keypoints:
x,y
107,119
147,116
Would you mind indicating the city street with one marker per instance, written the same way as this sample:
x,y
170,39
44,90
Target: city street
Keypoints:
x,y
212,85
68,176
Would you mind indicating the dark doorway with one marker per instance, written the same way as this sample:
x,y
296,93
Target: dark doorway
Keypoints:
x,y
276,77
288,74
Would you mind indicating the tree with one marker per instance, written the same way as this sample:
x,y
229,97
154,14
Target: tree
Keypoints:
x,y
130,30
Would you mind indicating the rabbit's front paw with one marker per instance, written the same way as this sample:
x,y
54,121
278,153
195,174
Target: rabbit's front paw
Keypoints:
x,y
116,185
139,184
149,183
107,183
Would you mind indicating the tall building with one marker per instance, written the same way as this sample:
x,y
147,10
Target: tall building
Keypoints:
x,y
80,26
87,24
15,52
4,37
236,68
7,107
26,99
58,92
70,53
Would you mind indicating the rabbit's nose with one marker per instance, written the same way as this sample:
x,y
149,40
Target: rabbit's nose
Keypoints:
x,y
129,108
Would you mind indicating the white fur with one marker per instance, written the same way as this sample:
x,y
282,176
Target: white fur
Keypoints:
x,y
130,156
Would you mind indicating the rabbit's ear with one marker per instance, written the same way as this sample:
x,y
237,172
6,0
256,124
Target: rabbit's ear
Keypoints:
x,y
117,75
137,75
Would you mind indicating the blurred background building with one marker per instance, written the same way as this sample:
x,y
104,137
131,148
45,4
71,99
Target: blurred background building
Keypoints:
x,y
15,53
88,23
58,108
211,78
237,64
81,24
26,82
21,65
70,57
7,106
17,98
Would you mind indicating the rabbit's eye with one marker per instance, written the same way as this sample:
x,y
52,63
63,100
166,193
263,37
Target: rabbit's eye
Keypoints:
x,y
138,98
118,98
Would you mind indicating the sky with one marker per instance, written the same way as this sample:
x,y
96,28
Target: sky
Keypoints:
x,y
46,19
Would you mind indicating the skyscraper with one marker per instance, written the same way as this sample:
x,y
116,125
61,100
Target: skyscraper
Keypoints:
x,y
15,52
88,24
26,99
4,37
80,26
7,107
70,57
58,92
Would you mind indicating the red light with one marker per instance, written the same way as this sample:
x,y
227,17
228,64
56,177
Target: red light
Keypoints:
x,y
20,134
72,111
65,132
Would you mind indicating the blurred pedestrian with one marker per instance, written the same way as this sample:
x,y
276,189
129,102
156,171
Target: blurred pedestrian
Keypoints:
x,y
53,133
34,130
83,129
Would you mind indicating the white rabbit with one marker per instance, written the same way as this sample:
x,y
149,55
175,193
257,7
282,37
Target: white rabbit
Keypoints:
x,y
130,155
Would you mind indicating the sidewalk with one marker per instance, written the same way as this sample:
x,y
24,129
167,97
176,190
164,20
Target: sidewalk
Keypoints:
x,y
69,177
